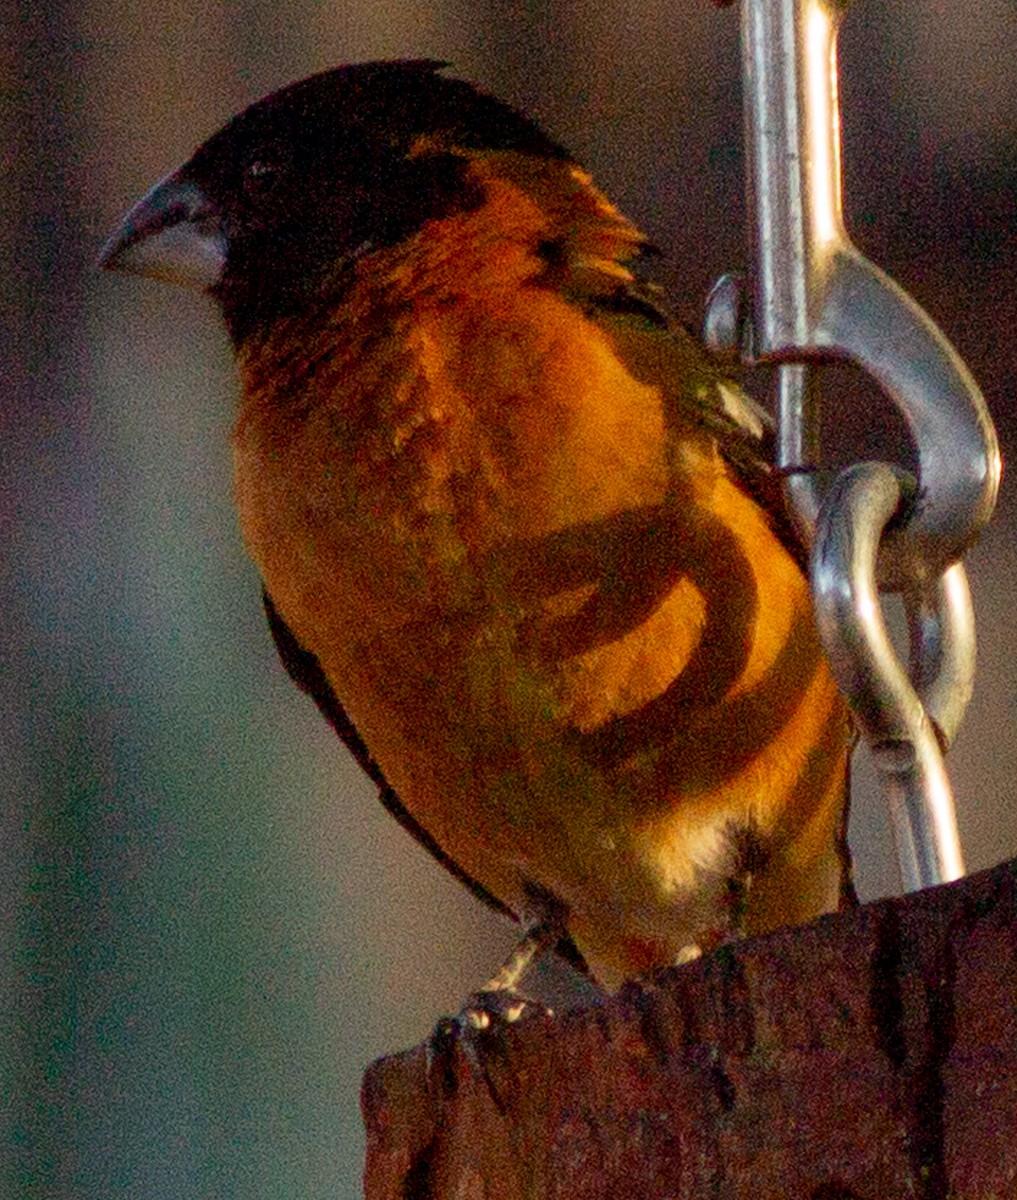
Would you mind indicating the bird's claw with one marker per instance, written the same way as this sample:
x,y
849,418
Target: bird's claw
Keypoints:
x,y
485,1010
477,1030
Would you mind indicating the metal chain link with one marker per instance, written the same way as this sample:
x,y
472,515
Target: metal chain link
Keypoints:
x,y
892,717
814,297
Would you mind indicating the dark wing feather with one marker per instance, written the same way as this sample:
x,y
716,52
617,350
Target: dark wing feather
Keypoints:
x,y
744,431
304,668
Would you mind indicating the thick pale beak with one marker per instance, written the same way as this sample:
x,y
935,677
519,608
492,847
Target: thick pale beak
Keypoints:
x,y
174,233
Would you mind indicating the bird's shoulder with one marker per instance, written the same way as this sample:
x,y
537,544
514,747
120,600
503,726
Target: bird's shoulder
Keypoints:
x,y
594,256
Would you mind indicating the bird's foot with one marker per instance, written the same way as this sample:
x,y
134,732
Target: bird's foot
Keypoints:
x,y
481,1024
478,1031
490,1008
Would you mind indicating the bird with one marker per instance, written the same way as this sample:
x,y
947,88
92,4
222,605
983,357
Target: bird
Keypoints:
x,y
519,535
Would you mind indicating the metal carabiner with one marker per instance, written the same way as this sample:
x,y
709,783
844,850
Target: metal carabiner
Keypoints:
x,y
815,297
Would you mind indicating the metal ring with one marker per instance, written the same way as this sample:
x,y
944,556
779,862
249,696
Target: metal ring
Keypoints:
x,y
905,749
941,622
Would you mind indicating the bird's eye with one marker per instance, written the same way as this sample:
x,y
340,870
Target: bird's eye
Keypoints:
x,y
261,176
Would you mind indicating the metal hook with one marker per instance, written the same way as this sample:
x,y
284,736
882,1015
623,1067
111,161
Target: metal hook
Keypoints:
x,y
815,297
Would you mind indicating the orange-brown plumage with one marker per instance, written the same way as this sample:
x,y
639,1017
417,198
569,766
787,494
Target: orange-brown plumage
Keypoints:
x,y
507,512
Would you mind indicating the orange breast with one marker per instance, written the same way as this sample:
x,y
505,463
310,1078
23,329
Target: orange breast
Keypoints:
x,y
572,643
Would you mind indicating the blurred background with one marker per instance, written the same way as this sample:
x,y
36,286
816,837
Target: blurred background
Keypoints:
x,y
208,926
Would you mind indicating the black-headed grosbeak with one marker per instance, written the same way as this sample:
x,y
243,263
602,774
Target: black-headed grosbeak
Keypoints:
x,y
517,534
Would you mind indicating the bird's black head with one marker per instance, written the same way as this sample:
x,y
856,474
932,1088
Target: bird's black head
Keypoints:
x,y
312,177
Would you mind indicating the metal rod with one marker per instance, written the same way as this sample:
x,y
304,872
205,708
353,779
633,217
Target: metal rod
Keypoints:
x,y
798,453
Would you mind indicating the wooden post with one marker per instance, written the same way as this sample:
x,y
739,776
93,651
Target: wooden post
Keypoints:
x,y
869,1056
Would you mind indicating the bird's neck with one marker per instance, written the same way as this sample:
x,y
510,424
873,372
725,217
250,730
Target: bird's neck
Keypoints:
x,y
540,224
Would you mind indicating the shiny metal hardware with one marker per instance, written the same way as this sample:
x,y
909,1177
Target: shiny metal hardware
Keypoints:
x,y
813,296
941,620
888,710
